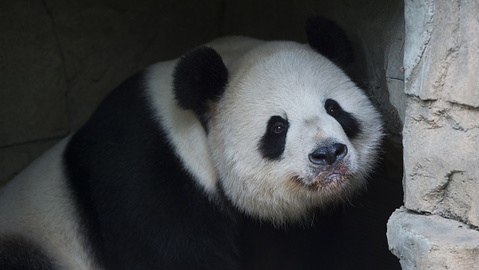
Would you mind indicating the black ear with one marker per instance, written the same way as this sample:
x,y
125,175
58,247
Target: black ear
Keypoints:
x,y
199,76
328,39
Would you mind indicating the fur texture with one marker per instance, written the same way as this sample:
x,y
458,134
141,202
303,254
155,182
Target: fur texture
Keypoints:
x,y
158,176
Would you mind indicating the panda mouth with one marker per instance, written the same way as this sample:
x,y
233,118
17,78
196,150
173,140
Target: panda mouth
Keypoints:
x,y
328,177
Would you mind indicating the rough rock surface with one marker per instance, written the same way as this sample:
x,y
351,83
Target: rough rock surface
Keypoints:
x,y
440,137
432,242
441,131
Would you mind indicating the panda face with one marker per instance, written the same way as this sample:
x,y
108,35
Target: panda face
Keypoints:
x,y
291,133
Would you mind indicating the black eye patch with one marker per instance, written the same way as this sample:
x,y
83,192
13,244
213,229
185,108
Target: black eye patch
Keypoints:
x,y
348,122
273,141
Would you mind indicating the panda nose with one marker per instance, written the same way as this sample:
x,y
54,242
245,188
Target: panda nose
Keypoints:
x,y
328,155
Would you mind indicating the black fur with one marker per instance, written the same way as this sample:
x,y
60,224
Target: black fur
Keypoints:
x,y
273,142
199,76
348,122
18,254
327,38
140,209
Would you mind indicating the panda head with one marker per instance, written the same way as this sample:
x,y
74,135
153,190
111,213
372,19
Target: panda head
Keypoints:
x,y
287,129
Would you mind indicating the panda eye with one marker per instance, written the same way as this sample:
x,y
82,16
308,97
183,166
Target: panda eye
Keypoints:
x,y
333,108
272,143
278,127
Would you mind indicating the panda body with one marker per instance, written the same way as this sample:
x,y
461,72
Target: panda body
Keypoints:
x,y
160,175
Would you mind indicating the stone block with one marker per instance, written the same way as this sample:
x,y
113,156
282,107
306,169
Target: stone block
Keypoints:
x,y
463,70
441,130
432,242
418,27
440,50
441,142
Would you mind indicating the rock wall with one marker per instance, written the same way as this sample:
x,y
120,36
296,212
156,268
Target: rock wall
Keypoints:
x,y
440,137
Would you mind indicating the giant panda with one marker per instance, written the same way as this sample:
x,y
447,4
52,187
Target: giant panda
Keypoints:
x,y
162,174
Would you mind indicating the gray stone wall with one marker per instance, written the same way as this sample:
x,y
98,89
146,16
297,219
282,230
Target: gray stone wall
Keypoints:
x,y
437,227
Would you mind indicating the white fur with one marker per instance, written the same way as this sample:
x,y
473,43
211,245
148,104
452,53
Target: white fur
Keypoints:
x,y
292,81
36,205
